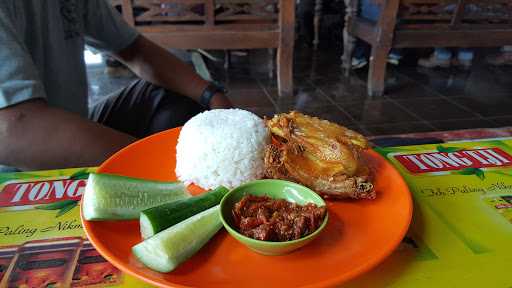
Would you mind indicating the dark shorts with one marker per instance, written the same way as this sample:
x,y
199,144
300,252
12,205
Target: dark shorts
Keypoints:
x,y
142,109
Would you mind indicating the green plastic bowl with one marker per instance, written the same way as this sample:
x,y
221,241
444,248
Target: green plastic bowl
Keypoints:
x,y
277,189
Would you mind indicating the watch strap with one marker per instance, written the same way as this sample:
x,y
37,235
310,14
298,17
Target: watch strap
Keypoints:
x,y
208,94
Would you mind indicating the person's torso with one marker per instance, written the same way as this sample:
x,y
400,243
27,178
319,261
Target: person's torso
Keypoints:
x,y
52,31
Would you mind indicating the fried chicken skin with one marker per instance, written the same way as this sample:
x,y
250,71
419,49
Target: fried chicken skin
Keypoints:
x,y
319,154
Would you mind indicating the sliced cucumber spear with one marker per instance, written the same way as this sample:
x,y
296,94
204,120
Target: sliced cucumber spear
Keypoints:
x,y
158,218
113,197
169,248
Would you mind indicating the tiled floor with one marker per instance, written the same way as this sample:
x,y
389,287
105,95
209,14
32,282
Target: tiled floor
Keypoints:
x,y
416,99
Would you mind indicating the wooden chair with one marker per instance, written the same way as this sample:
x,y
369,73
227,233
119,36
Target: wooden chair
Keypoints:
x,y
425,23
219,24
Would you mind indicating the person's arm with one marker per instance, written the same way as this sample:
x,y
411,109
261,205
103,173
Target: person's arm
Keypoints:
x,y
105,30
156,65
34,136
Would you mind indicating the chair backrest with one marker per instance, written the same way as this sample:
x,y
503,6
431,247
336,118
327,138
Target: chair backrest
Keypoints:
x,y
198,14
454,14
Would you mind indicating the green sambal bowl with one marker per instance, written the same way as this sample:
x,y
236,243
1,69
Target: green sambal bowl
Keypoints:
x,y
277,189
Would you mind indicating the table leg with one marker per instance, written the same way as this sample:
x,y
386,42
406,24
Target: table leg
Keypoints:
x,y
317,21
377,72
227,59
349,41
285,49
271,60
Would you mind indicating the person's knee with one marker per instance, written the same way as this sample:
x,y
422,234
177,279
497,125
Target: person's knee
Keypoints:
x,y
174,111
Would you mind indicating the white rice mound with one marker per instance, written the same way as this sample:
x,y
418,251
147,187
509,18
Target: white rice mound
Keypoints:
x,y
221,147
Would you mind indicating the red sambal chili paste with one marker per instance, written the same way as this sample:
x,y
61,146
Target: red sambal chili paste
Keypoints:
x,y
264,218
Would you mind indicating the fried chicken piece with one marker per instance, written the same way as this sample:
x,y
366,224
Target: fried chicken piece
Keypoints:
x,y
319,154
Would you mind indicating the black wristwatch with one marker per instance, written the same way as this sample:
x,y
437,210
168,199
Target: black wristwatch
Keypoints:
x,y
208,92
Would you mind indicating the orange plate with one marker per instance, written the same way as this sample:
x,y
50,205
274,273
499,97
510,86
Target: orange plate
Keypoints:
x,y
359,235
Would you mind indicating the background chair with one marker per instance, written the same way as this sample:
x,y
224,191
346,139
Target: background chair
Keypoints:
x,y
425,23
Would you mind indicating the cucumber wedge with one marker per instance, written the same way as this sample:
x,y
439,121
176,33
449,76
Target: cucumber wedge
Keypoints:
x,y
171,247
158,218
113,197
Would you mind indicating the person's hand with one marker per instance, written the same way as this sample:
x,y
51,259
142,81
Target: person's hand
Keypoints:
x,y
220,101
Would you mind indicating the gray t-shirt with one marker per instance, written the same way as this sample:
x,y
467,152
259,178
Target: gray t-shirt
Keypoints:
x,y
42,44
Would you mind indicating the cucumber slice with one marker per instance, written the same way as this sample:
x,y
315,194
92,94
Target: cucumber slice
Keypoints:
x,y
113,197
169,248
156,219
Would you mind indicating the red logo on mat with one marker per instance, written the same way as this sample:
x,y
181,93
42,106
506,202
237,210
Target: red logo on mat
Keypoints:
x,y
40,192
446,161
